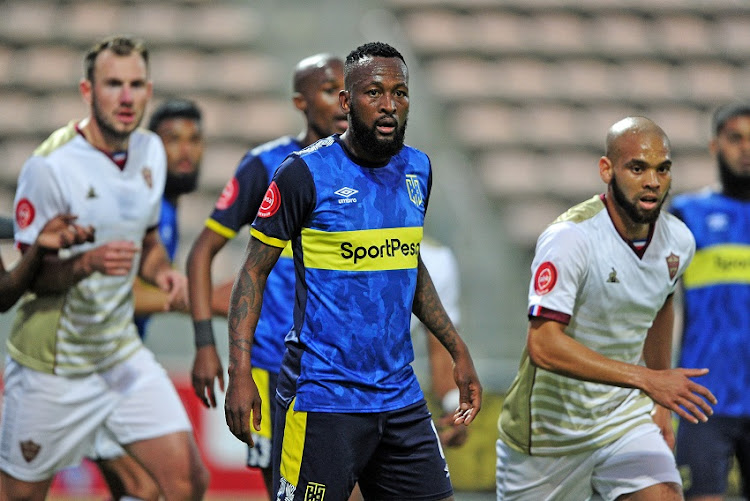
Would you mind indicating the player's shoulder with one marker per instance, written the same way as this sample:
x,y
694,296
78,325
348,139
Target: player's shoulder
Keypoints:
x,y
57,140
694,198
283,144
582,212
675,229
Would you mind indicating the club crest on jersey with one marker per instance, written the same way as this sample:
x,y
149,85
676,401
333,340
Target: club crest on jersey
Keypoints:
x,y
415,192
29,450
25,213
545,278
271,201
147,176
673,264
315,492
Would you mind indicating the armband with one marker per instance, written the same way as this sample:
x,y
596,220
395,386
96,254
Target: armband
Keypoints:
x,y
204,333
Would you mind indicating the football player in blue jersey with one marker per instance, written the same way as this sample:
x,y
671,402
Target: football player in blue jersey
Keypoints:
x,y
316,84
349,406
716,327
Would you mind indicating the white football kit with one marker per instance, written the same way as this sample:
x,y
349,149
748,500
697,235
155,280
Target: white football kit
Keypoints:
x,y
84,336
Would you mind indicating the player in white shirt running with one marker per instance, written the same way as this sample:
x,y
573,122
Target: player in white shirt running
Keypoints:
x,y
77,364
583,418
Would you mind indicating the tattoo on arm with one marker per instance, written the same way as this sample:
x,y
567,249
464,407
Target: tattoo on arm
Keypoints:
x,y
429,309
247,298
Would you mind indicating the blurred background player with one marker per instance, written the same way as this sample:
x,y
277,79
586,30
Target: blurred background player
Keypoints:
x,y
317,82
178,123
76,358
716,328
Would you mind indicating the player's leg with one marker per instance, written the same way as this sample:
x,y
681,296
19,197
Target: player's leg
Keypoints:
x,y
153,426
639,466
126,477
259,456
407,433
704,454
174,462
320,454
48,424
742,452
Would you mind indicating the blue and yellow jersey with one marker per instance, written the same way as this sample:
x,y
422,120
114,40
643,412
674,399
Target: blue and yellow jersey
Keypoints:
x,y
717,297
236,208
355,231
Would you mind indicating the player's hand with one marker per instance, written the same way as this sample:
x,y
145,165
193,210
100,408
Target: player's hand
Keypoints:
x,y
61,232
663,419
113,258
206,368
467,380
674,390
174,284
242,404
451,434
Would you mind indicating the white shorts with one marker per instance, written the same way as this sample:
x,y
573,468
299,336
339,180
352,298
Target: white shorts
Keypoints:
x,y
50,422
639,459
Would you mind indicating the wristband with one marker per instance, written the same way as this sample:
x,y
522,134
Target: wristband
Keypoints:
x,y
451,401
204,333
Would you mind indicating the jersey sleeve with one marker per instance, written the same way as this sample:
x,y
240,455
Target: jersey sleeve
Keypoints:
x,y
558,270
38,199
287,204
241,197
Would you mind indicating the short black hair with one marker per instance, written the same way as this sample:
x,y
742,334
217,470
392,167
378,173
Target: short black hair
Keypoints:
x,y
725,113
122,45
174,108
372,49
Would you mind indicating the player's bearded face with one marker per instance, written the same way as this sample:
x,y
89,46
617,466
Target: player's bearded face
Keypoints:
x,y
631,206
107,121
368,138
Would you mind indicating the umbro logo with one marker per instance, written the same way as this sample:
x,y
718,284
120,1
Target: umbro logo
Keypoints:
x,y
346,195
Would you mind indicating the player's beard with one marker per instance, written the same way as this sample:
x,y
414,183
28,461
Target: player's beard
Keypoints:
x,y
367,137
107,126
180,184
734,185
634,212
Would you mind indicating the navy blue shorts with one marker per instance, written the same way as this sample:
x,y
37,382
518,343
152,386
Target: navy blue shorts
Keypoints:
x,y
705,450
394,455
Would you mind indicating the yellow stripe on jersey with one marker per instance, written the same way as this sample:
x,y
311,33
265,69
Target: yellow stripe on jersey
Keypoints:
x,y
293,444
363,250
719,264
260,376
220,229
57,139
273,242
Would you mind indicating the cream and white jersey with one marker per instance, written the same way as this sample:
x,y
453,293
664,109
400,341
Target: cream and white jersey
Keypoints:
x,y
607,292
89,327
443,268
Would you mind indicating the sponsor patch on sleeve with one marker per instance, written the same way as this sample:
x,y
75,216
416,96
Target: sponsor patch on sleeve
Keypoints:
x,y
25,213
228,194
545,278
271,201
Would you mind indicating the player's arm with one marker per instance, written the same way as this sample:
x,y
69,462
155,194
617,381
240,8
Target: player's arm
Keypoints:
x,y
657,354
429,310
59,232
207,366
242,399
156,269
550,348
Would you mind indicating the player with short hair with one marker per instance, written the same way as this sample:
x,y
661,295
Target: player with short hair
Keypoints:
x,y
716,326
317,82
583,417
77,361
352,207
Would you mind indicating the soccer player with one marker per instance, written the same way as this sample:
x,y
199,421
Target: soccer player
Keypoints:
x,y
583,417
178,123
59,233
77,364
716,326
317,82
352,207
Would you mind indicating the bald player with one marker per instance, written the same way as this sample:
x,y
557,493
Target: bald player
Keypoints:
x,y
317,82
584,417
